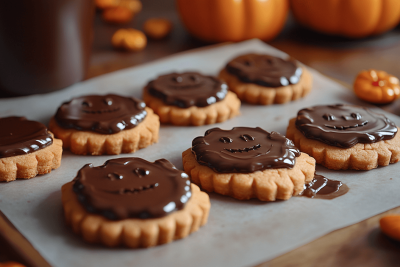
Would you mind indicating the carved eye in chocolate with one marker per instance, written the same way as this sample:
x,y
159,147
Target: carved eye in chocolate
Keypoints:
x,y
132,187
225,140
329,117
245,150
140,172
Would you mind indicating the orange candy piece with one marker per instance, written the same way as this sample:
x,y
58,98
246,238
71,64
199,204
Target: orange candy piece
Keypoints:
x,y
376,86
390,225
157,28
129,40
117,15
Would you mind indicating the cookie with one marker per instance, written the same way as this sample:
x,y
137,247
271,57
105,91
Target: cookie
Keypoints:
x,y
109,124
248,163
190,98
27,149
266,80
342,137
135,203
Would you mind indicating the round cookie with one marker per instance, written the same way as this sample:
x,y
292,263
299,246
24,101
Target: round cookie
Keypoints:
x,y
134,203
342,137
190,99
266,80
27,149
109,124
248,163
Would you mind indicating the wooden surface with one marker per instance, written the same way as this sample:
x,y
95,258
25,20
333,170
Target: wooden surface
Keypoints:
x,y
361,244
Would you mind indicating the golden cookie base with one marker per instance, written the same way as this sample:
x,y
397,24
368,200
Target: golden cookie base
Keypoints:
x,y
261,95
266,185
126,141
358,157
135,233
195,116
32,164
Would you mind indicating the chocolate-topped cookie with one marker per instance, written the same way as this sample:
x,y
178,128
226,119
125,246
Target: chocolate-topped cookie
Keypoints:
x,y
26,149
132,188
188,89
344,125
106,114
265,70
190,98
342,137
244,150
248,163
105,124
19,136
133,202
265,79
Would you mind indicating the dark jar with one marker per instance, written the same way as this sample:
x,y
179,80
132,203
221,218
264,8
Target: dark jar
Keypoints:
x,y
45,45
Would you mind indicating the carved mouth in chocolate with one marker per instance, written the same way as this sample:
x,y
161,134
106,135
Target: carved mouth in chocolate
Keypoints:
x,y
246,149
101,111
133,190
345,127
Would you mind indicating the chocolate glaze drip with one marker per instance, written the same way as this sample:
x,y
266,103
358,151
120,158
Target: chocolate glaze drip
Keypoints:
x,y
244,150
15,247
19,136
344,125
188,89
106,114
265,70
132,188
322,187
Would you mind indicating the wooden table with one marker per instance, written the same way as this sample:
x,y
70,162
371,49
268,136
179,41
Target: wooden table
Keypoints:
x,y
361,244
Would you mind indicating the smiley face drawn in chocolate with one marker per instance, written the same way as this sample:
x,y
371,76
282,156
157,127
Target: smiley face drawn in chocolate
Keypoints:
x,y
19,136
106,114
132,188
188,89
265,70
344,125
244,150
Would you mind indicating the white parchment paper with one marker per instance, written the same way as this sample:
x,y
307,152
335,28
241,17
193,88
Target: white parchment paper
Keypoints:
x,y
238,233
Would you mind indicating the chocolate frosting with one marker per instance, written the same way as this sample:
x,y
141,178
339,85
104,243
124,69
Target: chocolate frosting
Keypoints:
x,y
19,136
322,187
188,89
265,70
344,125
244,150
132,188
106,114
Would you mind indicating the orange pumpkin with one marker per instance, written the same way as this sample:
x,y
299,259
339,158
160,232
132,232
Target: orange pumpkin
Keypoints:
x,y
376,87
233,20
349,18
